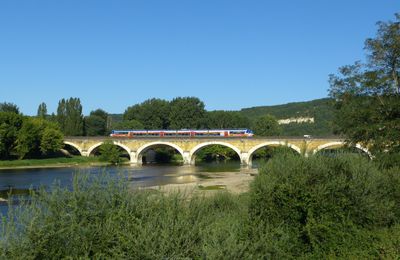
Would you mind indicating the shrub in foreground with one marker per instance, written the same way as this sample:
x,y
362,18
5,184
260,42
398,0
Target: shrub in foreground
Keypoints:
x,y
103,218
322,206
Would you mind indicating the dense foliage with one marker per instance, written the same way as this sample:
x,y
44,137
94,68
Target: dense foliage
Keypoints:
x,y
152,113
220,119
368,95
131,124
267,126
320,207
10,124
110,152
23,137
180,113
38,137
95,126
9,107
187,112
42,110
321,110
297,207
69,116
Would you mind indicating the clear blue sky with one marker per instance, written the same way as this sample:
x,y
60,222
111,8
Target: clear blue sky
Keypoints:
x,y
231,54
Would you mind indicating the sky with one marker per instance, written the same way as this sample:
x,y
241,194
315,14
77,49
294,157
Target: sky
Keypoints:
x,y
231,54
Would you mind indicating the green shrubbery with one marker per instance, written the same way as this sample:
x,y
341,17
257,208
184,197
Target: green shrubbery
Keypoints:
x,y
110,152
297,207
326,206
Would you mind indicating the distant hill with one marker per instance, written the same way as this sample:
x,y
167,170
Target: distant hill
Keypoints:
x,y
320,109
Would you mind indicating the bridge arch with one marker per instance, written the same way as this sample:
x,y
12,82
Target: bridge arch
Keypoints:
x,y
192,152
74,146
93,147
139,152
250,153
341,144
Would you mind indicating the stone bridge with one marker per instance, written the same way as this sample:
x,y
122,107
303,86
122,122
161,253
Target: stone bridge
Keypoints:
x,y
187,147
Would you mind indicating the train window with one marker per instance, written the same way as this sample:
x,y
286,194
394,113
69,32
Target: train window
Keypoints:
x,y
183,134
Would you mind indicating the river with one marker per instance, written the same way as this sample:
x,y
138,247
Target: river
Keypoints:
x,y
19,181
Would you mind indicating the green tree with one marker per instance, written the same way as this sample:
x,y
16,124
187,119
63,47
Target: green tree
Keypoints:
x,y
61,114
31,142
152,113
42,110
110,153
10,124
267,126
52,141
128,125
9,107
100,113
69,116
187,112
368,95
28,140
95,125
226,119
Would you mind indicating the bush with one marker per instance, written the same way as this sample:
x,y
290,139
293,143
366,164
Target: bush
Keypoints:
x,y
388,160
324,206
110,153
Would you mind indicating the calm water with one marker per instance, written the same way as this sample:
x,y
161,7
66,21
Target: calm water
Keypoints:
x,y
21,180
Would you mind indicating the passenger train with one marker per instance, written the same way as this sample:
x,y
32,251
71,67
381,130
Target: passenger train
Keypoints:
x,y
183,133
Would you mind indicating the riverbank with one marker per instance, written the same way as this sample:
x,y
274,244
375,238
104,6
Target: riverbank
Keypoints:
x,y
51,163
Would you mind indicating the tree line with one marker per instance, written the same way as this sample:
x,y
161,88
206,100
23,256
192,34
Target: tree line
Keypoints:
x,y
180,113
42,135
189,113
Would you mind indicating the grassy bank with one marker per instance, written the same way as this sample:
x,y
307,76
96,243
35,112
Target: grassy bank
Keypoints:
x,y
60,161
296,208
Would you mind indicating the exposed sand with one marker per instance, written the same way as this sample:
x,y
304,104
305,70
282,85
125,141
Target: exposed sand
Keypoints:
x,y
234,182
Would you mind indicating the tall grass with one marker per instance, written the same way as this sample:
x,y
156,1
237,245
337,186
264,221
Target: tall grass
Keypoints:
x,y
101,217
296,208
